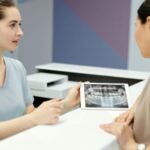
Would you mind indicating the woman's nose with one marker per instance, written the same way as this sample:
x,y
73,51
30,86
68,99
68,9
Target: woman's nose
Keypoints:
x,y
20,32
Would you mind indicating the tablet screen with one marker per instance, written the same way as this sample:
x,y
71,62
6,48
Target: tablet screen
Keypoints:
x,y
104,96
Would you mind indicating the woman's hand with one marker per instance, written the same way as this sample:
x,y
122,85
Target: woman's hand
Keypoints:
x,y
126,117
73,98
47,113
124,134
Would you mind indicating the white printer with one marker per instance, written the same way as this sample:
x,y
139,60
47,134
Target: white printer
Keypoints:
x,y
49,85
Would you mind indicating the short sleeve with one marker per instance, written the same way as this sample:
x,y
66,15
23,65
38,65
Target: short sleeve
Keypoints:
x,y
28,98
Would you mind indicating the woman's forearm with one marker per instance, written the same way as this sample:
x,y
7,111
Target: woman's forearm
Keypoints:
x,y
11,127
66,107
47,113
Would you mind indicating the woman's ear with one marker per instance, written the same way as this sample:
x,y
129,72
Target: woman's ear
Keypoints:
x,y
148,21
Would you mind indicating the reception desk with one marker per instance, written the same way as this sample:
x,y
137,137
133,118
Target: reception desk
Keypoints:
x,y
77,73
77,129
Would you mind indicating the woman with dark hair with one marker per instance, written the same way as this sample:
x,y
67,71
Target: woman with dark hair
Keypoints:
x,y
132,127
17,112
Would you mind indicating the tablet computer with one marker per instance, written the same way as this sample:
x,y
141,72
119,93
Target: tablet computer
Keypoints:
x,y
104,96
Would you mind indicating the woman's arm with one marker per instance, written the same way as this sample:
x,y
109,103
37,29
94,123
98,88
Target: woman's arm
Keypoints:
x,y
47,113
11,127
30,109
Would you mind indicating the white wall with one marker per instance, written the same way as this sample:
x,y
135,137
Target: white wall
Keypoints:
x,y
37,24
135,60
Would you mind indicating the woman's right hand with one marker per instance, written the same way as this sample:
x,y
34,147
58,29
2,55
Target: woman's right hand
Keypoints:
x,y
126,117
124,134
47,113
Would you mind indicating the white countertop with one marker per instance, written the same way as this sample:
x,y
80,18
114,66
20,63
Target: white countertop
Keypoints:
x,y
77,130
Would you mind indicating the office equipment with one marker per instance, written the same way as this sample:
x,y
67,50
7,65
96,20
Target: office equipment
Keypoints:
x,y
41,81
54,91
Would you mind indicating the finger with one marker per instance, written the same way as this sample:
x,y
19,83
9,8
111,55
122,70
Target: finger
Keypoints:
x,y
116,119
119,118
114,128
129,119
57,105
107,127
75,89
124,117
78,89
77,86
131,126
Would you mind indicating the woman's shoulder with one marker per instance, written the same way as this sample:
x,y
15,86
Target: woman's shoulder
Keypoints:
x,y
14,63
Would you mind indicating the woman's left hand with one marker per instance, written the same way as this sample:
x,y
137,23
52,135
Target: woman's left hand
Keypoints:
x,y
124,134
73,98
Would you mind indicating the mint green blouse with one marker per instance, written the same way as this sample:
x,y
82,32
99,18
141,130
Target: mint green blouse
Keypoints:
x,y
15,94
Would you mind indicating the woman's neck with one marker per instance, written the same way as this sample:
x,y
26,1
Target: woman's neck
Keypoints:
x,y
1,56
1,60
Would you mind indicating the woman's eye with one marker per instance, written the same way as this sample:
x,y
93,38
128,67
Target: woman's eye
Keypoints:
x,y
12,25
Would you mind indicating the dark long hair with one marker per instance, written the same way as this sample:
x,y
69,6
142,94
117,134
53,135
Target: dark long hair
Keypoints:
x,y
4,4
144,11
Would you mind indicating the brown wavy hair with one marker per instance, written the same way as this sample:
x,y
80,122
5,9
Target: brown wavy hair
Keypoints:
x,y
4,4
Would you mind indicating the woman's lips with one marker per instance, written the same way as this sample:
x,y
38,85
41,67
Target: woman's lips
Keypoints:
x,y
16,41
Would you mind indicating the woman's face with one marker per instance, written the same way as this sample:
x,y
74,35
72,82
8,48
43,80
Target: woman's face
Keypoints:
x,y
10,31
142,36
